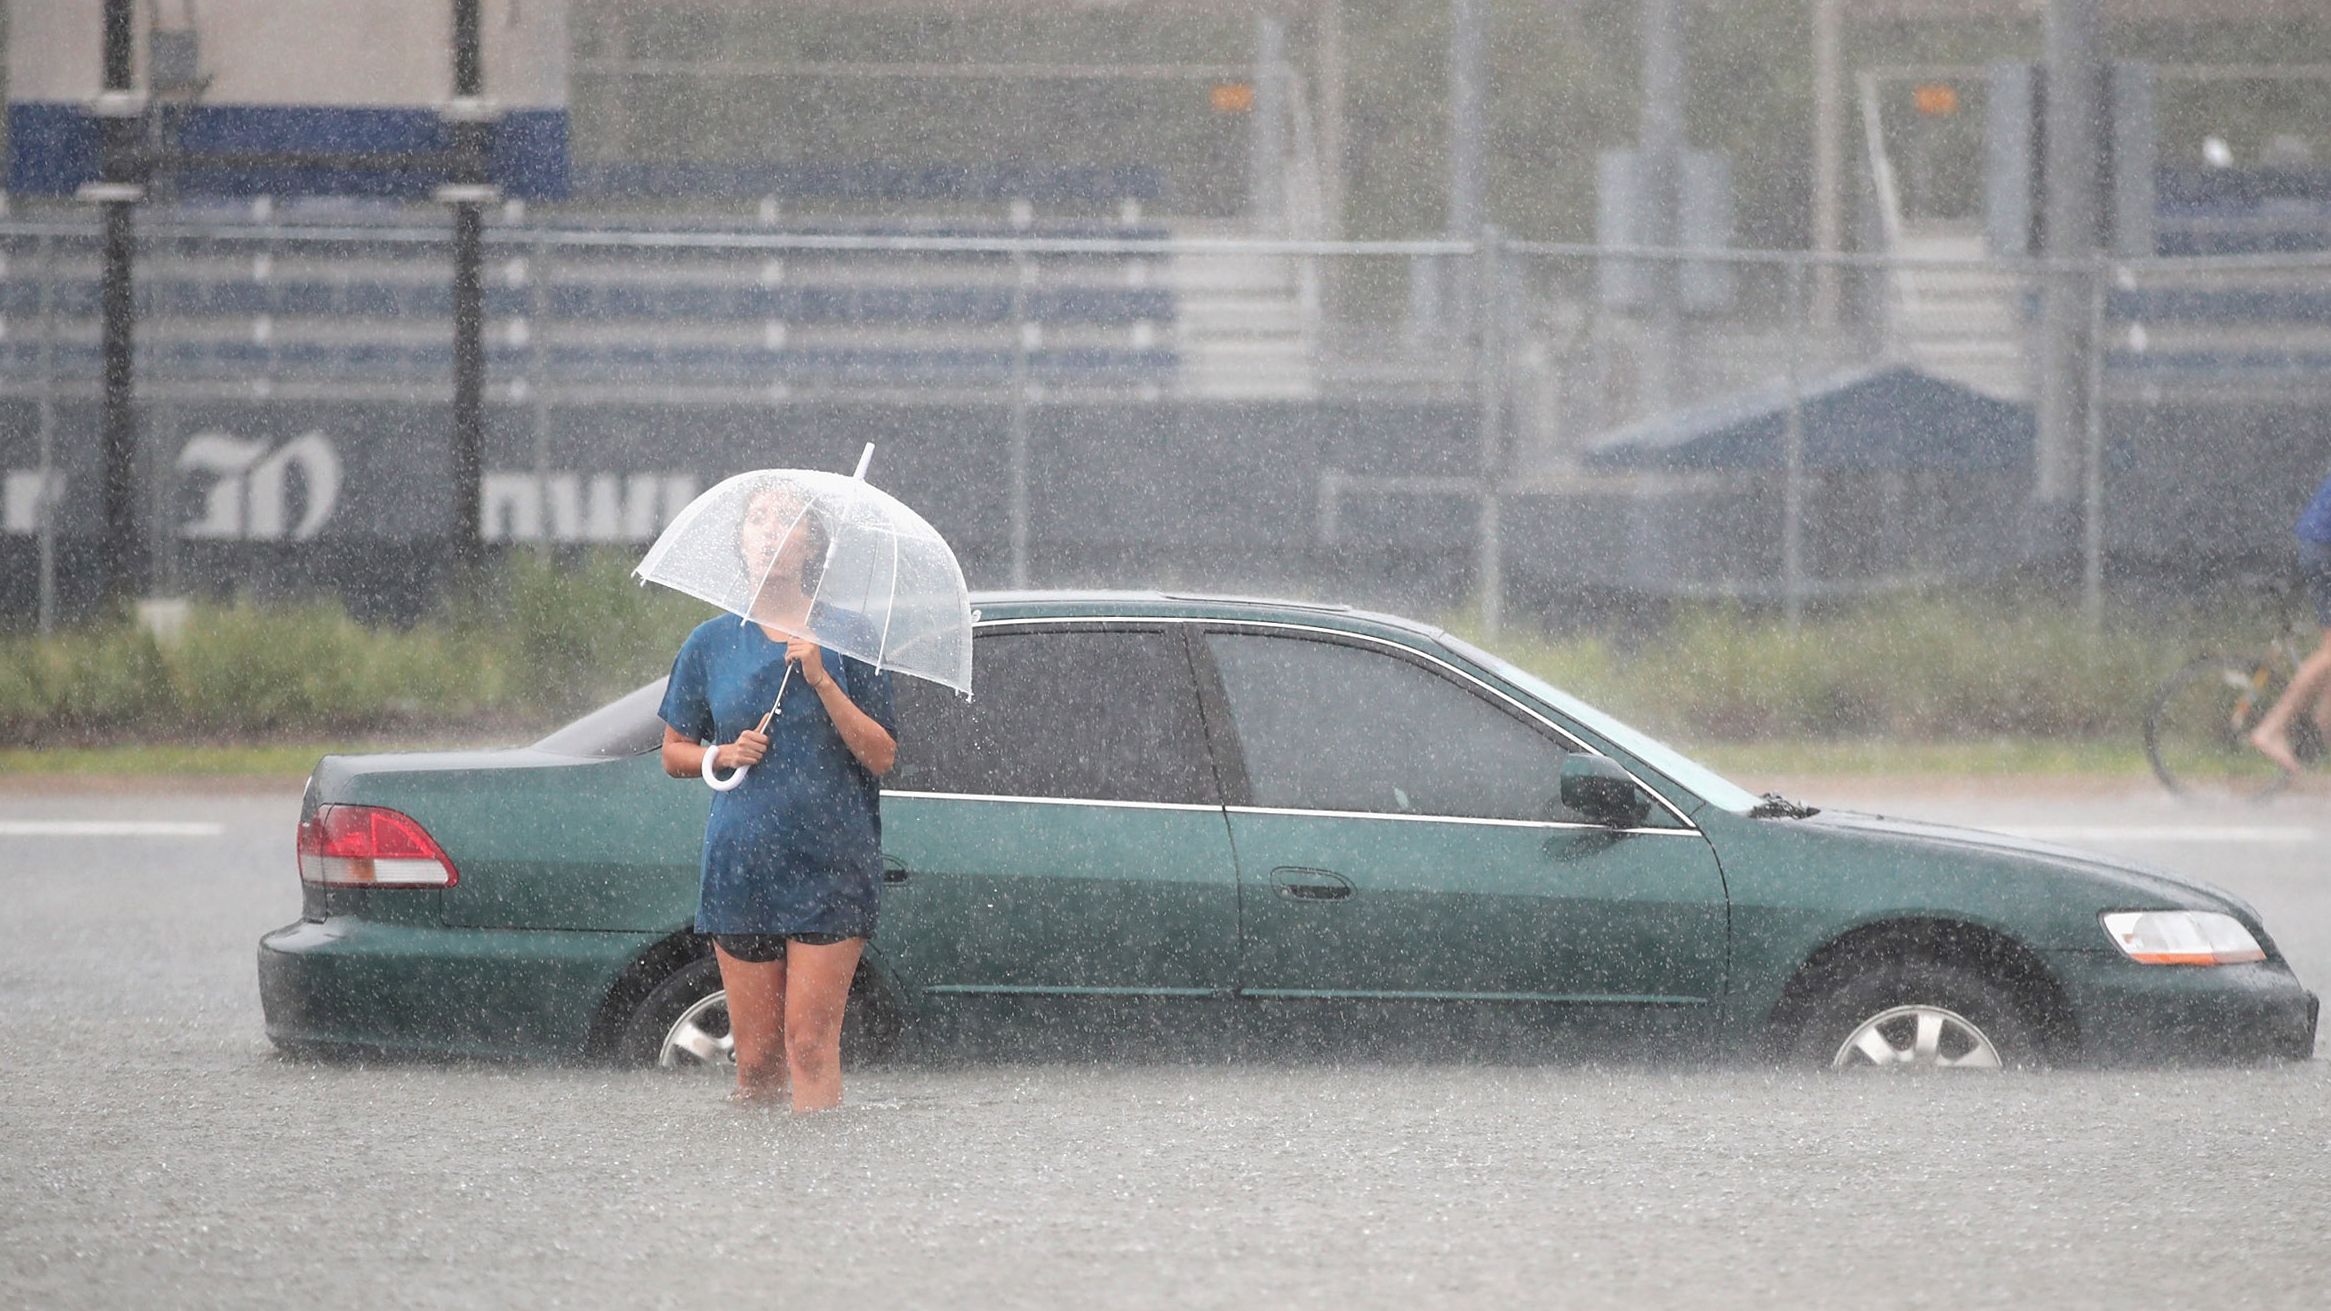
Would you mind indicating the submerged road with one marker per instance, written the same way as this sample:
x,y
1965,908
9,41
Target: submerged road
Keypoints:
x,y
152,1149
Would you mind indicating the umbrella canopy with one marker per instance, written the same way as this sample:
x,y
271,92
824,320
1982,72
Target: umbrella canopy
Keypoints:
x,y
825,557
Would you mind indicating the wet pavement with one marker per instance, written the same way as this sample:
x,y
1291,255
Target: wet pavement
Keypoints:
x,y
154,1150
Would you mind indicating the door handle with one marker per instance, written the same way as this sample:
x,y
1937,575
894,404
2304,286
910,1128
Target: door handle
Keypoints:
x,y
894,871
1297,884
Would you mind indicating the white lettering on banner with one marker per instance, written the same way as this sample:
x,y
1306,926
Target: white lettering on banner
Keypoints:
x,y
568,507
20,498
250,498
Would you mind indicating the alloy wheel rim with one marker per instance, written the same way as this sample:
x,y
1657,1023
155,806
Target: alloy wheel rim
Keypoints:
x,y
700,1038
1919,1037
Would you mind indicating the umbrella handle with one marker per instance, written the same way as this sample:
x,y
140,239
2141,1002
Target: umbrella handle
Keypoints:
x,y
737,778
734,781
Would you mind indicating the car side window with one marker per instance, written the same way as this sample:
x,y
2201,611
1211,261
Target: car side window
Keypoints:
x,y
1327,725
1108,716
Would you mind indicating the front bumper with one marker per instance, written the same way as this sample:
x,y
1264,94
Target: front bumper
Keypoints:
x,y
426,989
2182,1014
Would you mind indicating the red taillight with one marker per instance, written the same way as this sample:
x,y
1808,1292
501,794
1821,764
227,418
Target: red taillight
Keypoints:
x,y
371,847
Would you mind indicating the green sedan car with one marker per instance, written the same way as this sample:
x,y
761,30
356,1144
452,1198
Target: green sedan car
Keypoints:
x,y
1168,818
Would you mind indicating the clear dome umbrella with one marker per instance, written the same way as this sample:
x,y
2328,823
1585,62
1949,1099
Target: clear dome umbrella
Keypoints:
x,y
832,559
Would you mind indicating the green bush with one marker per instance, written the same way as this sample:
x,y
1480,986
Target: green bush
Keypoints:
x,y
85,682
244,669
543,643
586,632
548,640
1910,667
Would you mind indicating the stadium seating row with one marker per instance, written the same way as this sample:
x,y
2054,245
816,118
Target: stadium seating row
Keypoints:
x,y
2214,305
2223,211
594,363
2221,366
659,302
869,181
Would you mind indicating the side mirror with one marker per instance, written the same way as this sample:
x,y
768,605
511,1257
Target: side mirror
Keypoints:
x,y
1595,787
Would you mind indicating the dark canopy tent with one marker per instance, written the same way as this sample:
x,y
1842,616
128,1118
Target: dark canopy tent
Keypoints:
x,y
1889,417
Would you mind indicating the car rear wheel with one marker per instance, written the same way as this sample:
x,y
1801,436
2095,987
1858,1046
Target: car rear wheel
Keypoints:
x,y
1917,1015
682,1024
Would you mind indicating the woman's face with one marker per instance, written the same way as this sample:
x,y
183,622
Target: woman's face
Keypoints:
x,y
768,550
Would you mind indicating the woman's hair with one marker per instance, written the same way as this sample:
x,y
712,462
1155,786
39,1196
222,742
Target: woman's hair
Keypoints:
x,y
810,524
814,536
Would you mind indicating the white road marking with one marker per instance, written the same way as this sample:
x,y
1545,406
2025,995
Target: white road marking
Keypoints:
x,y
2274,834
108,828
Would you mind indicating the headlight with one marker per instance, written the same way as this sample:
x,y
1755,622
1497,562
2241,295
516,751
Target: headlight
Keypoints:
x,y
2182,937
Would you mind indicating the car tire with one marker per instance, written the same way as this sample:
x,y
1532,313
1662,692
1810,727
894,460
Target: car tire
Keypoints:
x,y
1918,1015
693,992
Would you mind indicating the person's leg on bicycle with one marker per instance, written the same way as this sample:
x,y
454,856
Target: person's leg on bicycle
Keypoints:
x,y
2310,686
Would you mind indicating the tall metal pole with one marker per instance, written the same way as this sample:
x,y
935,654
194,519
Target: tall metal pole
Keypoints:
x,y
538,375
1467,45
49,501
1023,272
121,110
1328,56
1489,570
1660,146
1267,128
2072,231
468,193
1828,157
2092,462
1793,459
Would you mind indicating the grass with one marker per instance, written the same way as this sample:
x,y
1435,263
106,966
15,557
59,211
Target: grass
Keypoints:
x,y
1746,762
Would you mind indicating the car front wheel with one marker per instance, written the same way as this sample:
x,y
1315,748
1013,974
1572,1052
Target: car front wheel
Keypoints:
x,y
1917,1015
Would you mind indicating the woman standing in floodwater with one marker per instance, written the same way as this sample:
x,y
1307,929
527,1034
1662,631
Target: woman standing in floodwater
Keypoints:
x,y
792,871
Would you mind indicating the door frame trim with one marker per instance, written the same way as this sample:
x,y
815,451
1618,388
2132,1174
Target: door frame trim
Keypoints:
x,y
1055,801
1562,824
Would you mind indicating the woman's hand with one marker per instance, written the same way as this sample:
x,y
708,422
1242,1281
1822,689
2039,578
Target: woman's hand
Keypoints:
x,y
749,749
812,661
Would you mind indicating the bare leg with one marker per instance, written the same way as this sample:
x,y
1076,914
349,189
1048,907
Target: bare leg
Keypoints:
x,y
820,978
756,1021
2323,712
2311,682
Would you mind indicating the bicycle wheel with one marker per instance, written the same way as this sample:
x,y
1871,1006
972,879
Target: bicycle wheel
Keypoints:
x,y
2198,732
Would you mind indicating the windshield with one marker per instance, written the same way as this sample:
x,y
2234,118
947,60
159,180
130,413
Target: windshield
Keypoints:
x,y
1686,772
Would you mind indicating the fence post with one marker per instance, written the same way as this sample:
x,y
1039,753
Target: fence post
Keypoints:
x,y
1489,303
2092,460
118,194
1793,459
538,378
468,195
1022,270
45,504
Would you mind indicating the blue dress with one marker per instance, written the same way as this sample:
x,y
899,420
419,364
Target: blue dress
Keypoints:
x,y
798,847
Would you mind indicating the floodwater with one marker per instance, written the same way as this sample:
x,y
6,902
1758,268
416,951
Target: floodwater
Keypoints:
x,y
155,1150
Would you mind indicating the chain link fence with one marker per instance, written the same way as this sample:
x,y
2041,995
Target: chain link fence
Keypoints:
x,y
1428,424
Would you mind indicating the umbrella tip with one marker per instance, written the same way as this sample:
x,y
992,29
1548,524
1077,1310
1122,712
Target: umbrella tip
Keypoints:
x,y
865,458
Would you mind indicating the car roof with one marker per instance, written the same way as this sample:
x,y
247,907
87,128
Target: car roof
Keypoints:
x,y
1096,603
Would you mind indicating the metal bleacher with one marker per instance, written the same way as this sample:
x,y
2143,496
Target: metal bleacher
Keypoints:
x,y
585,299
2266,326
2243,322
